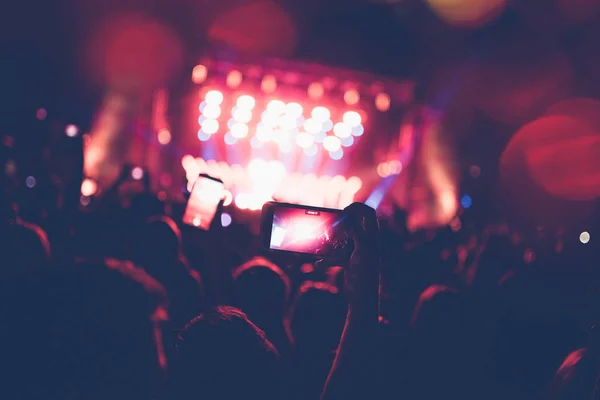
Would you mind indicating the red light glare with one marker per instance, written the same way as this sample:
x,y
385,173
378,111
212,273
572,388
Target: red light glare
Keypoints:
x,y
315,90
351,97
137,173
199,73
164,136
41,114
382,102
234,79
268,84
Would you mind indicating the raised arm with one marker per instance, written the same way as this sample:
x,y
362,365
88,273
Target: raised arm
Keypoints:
x,y
354,371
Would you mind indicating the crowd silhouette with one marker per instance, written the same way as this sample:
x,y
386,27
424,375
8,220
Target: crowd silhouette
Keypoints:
x,y
122,302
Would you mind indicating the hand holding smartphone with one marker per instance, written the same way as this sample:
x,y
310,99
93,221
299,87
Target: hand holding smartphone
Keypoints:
x,y
304,230
203,203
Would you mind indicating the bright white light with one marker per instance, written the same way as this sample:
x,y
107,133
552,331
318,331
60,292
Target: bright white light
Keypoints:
x,y
336,155
242,201
320,113
210,126
196,221
239,130
277,236
319,137
358,130
294,109
285,147
331,144
201,119
203,136
347,142
312,125
212,111
311,150
256,143
229,139
30,182
225,220
327,125
137,173
242,114
288,122
270,119
584,237
341,130
202,106
263,133
304,140
214,97
71,130
88,187
246,102
276,107
351,118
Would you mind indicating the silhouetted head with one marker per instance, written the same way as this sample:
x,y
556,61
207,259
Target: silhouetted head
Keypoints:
x,y
262,289
88,330
221,355
158,240
24,246
317,318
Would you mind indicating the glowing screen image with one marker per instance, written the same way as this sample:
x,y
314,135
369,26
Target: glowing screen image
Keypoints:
x,y
309,231
203,202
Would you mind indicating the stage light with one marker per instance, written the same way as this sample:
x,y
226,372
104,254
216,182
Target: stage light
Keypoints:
x,y
348,141
196,221
201,119
304,140
294,109
270,119
331,144
341,130
311,125
214,97
199,73
466,201
30,182
229,139
320,113
88,187
319,137
263,133
336,155
41,114
137,173
395,167
384,170
210,126
212,111
188,162
351,118
256,143
85,201
268,84
285,147
584,237
239,130
382,102
351,97
312,150
327,125
246,102
242,201
358,130
234,79
225,220
227,198
71,130
202,106
276,107
164,136
287,122
203,136
315,90
241,114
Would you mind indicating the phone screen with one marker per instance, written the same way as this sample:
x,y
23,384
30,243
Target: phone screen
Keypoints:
x,y
203,202
308,230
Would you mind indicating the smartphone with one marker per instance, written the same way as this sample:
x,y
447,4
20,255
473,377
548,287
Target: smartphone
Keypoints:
x,y
310,231
204,199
